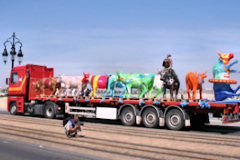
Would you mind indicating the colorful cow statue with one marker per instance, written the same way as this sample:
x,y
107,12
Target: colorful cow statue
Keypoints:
x,y
194,82
107,82
60,87
118,85
98,81
46,83
143,82
157,85
112,85
221,69
222,81
72,82
171,82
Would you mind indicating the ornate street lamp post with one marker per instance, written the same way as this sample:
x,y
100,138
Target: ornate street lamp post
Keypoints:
x,y
13,40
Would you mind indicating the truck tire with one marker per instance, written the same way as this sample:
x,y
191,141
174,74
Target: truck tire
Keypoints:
x,y
128,117
174,119
150,118
50,110
13,108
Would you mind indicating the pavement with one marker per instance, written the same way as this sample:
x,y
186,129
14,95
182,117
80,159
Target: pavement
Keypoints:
x,y
27,151
3,103
41,136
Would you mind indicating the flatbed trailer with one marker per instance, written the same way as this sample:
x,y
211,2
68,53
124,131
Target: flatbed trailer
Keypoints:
x,y
175,114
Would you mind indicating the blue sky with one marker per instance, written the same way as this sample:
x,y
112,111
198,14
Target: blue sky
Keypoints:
x,y
105,36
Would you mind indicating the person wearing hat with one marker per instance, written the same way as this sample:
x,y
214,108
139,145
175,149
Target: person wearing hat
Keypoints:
x,y
167,62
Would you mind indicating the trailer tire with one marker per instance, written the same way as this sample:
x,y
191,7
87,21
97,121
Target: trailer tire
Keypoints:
x,y
50,111
13,108
174,119
128,117
150,118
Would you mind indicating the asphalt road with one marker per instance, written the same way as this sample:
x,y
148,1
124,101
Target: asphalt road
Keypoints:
x,y
25,137
17,150
216,127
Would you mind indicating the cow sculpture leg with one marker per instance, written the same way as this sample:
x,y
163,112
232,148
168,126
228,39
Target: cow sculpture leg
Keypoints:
x,y
188,92
144,90
200,91
164,91
129,91
176,92
150,93
159,90
194,92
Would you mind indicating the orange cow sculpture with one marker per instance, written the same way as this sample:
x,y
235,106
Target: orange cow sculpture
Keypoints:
x,y
194,82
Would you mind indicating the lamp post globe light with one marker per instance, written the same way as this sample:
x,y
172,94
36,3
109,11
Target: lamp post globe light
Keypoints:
x,y
13,40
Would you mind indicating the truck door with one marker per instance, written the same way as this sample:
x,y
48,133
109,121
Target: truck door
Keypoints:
x,y
17,84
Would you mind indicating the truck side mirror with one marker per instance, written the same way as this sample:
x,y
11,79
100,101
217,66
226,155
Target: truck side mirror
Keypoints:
x,y
7,81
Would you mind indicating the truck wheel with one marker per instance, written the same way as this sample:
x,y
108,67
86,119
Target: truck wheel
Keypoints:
x,y
150,118
128,117
50,110
13,108
174,119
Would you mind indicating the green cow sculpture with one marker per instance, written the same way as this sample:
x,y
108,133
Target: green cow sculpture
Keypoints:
x,y
143,82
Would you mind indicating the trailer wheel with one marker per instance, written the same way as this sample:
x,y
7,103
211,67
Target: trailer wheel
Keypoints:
x,y
150,118
174,119
128,117
13,108
50,110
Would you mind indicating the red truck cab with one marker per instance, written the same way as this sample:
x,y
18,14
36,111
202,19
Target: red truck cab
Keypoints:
x,y
21,86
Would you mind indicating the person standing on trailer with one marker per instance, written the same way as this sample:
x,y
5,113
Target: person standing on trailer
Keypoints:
x,y
72,126
167,64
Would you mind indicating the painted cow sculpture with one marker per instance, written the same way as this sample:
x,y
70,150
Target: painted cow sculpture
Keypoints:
x,y
98,81
47,83
194,82
143,82
157,85
107,82
78,82
221,71
171,82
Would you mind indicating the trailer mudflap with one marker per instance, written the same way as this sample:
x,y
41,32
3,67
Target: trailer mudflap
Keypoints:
x,y
66,107
187,123
234,116
231,118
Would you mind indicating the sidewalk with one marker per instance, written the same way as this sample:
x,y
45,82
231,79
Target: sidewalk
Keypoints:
x,y
3,103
